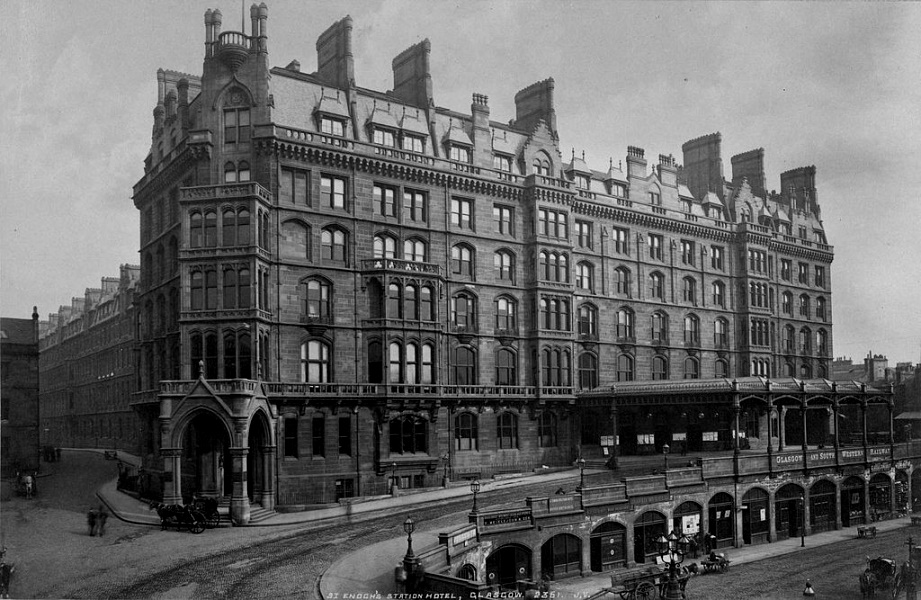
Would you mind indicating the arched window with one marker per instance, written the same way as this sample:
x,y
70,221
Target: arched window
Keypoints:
x,y
243,171
426,306
245,283
588,371
462,260
319,299
507,430
588,321
465,432
805,371
415,251
691,368
408,435
505,266
464,366
385,246
622,281
805,338
821,342
659,328
210,290
463,312
789,369
546,430
395,362
332,244
822,371
789,338
659,367
555,363
315,366
394,301
412,372
625,368
820,309
585,276
230,355
196,230
230,172
375,362
541,165
506,368
197,290
230,288
657,286
721,368
692,330
410,303
506,314
719,294
243,233
625,324
786,303
467,572
229,228
689,290
721,333
804,306
210,229
427,375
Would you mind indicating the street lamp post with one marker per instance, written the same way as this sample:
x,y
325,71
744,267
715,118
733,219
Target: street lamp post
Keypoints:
x,y
910,588
802,521
672,550
409,561
475,488
581,473
393,477
665,450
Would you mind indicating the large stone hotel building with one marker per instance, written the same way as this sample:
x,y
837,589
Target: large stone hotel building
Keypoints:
x,y
345,291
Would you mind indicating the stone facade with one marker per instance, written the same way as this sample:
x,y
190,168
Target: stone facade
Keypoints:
x,y
19,427
421,293
88,369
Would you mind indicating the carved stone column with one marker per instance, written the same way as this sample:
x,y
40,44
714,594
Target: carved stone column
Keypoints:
x,y
239,498
268,477
172,467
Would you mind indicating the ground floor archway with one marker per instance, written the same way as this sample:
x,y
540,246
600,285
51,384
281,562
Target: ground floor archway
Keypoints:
x,y
608,546
508,565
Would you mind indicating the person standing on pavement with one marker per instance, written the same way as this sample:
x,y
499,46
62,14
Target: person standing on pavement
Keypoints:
x,y
28,481
101,515
6,575
91,521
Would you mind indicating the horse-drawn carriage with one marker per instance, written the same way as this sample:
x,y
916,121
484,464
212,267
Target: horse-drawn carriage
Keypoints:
x,y
180,516
716,562
208,507
881,575
648,583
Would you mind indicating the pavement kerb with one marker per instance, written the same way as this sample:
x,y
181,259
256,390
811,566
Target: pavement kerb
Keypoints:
x,y
131,510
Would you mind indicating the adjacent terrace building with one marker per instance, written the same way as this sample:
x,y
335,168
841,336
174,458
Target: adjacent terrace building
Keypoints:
x,y
19,395
346,291
87,367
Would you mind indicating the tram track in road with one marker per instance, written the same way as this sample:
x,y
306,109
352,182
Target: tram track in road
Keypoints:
x,y
291,564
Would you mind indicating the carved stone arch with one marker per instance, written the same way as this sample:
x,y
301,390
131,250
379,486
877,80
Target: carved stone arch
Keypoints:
x,y
224,96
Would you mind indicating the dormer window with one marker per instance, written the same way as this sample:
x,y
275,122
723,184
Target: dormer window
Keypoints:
x,y
618,190
655,198
502,162
413,143
332,126
384,137
459,153
582,182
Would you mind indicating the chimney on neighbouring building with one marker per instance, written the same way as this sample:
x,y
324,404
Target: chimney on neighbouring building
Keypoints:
x,y
703,165
750,165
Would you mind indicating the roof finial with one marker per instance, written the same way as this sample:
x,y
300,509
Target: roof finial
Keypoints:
x,y
573,153
611,162
583,154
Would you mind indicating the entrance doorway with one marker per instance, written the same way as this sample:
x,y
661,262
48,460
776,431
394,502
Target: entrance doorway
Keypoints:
x,y
255,458
608,545
206,460
508,565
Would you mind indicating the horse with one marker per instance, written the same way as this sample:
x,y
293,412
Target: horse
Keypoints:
x,y
867,585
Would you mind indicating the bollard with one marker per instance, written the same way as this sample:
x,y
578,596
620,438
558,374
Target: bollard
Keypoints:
x,y
808,591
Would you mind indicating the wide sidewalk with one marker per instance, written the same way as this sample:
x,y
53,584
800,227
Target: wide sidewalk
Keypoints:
x,y
371,569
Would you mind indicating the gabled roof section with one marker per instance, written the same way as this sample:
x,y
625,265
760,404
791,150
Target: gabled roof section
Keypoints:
x,y
413,121
333,105
383,118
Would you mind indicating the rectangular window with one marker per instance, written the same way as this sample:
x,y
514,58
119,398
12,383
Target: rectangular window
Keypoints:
x,y
716,257
318,436
786,267
757,261
655,198
802,233
820,276
553,224
618,190
687,252
331,126
291,437
620,237
236,128
504,218
655,246
332,190
462,213
803,273
501,162
414,206
293,187
383,137
385,201
460,154
345,436
582,182
584,234
413,143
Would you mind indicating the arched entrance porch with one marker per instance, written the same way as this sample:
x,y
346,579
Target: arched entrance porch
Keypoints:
x,y
205,453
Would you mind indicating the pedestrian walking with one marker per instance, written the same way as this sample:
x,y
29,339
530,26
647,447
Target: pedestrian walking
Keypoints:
x,y
28,482
91,521
101,516
6,575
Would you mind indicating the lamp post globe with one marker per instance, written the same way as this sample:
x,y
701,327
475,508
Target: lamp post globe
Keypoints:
x,y
672,549
665,450
581,473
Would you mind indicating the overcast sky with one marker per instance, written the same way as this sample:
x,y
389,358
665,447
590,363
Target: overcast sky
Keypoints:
x,y
835,85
